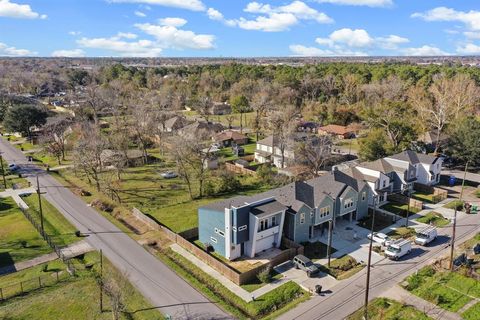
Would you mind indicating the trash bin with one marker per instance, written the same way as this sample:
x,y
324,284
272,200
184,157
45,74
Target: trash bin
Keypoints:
x,y
318,289
451,181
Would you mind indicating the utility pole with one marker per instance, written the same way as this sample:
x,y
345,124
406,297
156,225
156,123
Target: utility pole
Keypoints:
x,y
408,206
40,205
367,285
452,242
101,281
329,248
3,172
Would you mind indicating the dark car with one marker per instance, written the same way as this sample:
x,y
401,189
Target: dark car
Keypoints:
x,y
302,262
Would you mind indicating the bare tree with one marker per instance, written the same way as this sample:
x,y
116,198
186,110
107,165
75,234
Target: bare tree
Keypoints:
x,y
282,127
55,135
445,101
118,290
87,153
314,152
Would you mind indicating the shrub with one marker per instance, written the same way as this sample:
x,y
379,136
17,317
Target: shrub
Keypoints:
x,y
228,182
413,282
264,275
102,205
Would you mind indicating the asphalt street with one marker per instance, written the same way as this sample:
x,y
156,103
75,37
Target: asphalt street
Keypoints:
x,y
160,285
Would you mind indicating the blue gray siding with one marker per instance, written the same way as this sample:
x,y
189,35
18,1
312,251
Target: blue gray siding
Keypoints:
x,y
240,217
208,220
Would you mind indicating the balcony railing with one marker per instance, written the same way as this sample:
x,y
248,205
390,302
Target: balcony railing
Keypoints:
x,y
268,232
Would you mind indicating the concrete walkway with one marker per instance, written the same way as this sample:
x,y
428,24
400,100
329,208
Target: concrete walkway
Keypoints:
x,y
15,194
433,311
70,251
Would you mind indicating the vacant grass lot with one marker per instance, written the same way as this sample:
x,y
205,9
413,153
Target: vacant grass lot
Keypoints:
x,y
425,197
450,291
455,204
257,284
387,309
19,240
77,298
381,221
434,218
402,232
472,313
55,224
316,250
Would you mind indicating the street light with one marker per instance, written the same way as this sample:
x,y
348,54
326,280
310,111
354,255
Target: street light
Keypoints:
x,y
367,285
452,242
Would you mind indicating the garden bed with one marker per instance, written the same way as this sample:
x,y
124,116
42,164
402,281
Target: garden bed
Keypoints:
x,y
388,309
435,219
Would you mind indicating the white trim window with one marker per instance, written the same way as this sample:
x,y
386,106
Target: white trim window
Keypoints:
x,y
325,211
242,228
302,218
364,195
214,240
348,203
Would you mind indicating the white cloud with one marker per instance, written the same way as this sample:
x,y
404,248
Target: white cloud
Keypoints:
x,y
391,42
424,51
140,14
357,38
272,19
471,18
74,33
15,10
173,22
75,53
6,51
469,49
169,36
194,5
368,3
472,35
140,48
125,35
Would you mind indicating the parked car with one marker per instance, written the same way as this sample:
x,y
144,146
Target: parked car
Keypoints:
x,y
398,249
13,167
426,235
302,262
169,175
381,238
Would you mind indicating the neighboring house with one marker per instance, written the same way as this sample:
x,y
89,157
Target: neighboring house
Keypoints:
x,y
379,176
337,131
307,126
429,138
229,138
301,210
221,108
269,150
242,226
417,167
201,129
174,124
110,157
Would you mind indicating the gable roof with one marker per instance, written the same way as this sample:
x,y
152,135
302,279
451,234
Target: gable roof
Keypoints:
x,y
270,141
229,135
267,208
380,165
407,155
175,122
335,129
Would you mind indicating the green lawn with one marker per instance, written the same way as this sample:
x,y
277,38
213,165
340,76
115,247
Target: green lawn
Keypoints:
x,y
435,219
55,224
77,298
19,240
227,153
455,203
425,197
402,232
472,313
399,209
388,309
381,221
348,143
343,268
444,289
257,284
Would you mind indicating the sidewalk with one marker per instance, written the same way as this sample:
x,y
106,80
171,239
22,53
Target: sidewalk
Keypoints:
x,y
15,194
433,311
71,251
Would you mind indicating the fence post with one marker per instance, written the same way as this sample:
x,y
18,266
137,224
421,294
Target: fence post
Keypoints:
x,y
21,286
56,273
40,282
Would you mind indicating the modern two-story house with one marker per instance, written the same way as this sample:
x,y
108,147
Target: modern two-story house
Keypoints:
x,y
245,226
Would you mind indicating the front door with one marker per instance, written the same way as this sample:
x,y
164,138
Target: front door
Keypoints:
x,y
242,249
310,232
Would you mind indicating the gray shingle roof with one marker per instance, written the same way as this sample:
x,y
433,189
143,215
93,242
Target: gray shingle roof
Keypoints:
x,y
408,155
378,165
267,208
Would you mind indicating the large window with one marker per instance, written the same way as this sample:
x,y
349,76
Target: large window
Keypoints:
x,y
364,196
348,203
274,221
325,211
302,218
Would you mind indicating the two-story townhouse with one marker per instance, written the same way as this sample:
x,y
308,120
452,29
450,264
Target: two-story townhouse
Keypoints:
x,y
264,149
242,225
428,168
379,176
406,165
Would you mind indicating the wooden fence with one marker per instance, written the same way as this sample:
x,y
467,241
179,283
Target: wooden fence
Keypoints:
x,y
26,286
438,193
240,170
414,204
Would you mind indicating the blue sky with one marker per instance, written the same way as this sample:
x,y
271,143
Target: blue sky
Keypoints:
x,y
225,28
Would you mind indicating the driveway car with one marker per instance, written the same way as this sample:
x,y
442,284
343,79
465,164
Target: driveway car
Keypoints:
x,y
302,262
169,175
13,167
381,238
